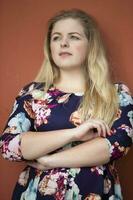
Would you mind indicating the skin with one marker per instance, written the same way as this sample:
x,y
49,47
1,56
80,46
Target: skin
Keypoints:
x,y
68,36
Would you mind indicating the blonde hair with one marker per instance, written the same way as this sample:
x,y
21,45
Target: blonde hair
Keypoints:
x,y
100,99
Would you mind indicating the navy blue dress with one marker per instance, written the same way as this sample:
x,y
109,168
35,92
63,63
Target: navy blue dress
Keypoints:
x,y
35,111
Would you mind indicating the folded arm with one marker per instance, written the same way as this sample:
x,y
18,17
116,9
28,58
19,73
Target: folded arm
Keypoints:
x,y
20,141
99,150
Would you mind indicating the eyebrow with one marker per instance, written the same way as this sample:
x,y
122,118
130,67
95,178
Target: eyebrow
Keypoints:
x,y
58,33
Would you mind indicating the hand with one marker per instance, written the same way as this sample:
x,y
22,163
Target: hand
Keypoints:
x,y
40,163
36,165
90,129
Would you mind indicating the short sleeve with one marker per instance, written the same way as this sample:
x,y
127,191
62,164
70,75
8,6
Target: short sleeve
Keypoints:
x,y
122,130
20,121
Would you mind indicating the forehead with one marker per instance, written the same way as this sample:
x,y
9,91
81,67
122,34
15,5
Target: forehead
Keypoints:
x,y
68,25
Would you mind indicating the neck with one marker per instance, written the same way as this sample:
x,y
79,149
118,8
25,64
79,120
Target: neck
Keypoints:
x,y
73,81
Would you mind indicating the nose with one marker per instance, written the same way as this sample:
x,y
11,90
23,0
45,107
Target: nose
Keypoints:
x,y
64,42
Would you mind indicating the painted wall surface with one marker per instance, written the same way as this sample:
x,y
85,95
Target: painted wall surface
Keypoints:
x,y
22,32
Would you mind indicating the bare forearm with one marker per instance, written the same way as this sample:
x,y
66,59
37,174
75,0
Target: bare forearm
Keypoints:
x,y
35,145
91,153
38,144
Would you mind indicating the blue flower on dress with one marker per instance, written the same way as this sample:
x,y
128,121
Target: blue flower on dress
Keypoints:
x,y
20,122
125,99
118,194
31,192
130,115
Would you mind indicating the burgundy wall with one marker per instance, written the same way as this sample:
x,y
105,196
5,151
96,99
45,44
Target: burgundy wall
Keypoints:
x,y
22,30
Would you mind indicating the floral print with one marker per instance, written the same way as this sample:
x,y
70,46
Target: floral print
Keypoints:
x,y
23,177
75,118
20,123
42,111
93,197
35,110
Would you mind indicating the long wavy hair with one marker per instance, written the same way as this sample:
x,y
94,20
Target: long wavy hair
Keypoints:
x,y
100,99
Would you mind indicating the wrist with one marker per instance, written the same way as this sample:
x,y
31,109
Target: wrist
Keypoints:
x,y
45,161
73,133
51,161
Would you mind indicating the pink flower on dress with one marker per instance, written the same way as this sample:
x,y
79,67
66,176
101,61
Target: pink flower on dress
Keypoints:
x,y
107,185
54,184
75,118
42,112
125,88
98,170
93,196
23,178
64,98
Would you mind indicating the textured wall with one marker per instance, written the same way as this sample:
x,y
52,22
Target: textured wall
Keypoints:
x,y
22,30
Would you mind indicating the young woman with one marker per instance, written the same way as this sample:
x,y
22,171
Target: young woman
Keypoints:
x,y
72,122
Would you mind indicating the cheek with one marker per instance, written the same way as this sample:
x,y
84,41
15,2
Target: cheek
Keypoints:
x,y
53,50
78,48
82,51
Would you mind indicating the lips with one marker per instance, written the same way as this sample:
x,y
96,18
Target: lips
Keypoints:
x,y
64,54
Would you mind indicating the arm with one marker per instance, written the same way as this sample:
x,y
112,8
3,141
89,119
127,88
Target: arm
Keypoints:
x,y
56,139
90,153
20,140
44,143
100,151
122,130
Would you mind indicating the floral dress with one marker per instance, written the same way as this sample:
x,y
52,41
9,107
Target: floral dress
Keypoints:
x,y
35,111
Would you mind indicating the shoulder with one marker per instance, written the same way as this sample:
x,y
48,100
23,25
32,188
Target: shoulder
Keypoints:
x,y
124,94
30,88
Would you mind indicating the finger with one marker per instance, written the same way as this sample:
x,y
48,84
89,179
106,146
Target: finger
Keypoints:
x,y
97,126
102,129
105,129
36,165
108,130
94,125
32,164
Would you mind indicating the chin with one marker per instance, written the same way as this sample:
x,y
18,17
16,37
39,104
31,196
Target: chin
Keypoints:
x,y
68,65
